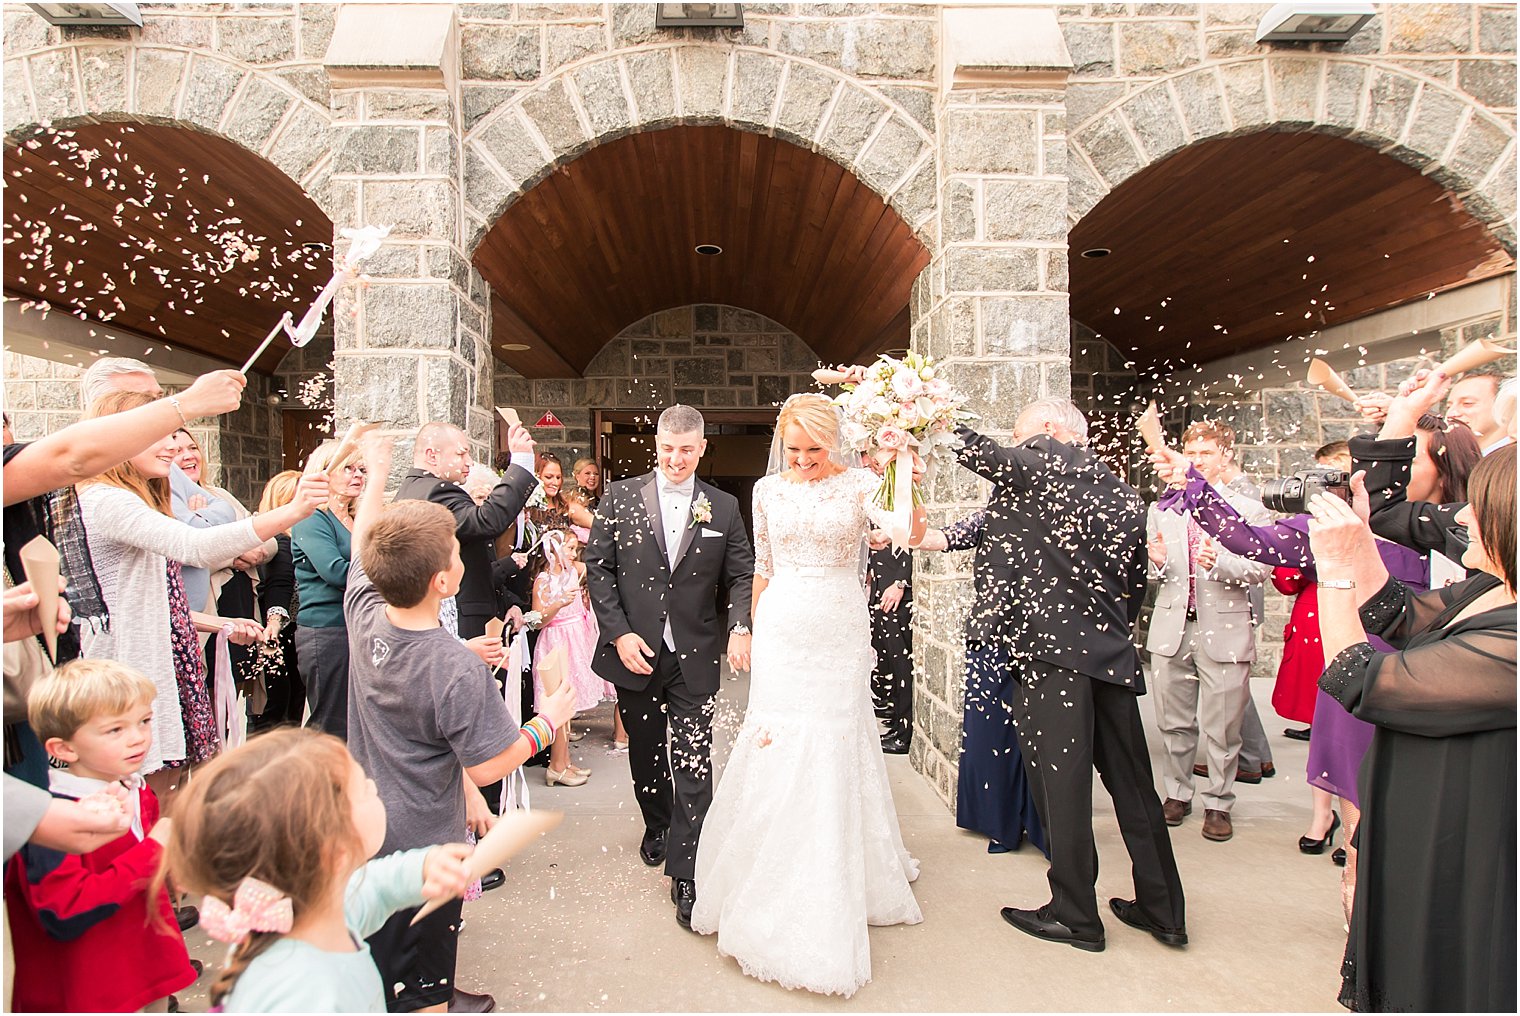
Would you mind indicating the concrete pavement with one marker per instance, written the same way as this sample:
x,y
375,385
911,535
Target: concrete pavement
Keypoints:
x,y
583,925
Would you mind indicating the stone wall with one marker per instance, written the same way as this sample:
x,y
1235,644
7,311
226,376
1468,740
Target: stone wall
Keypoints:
x,y
710,356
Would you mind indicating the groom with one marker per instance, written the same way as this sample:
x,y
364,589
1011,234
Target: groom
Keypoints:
x,y
661,548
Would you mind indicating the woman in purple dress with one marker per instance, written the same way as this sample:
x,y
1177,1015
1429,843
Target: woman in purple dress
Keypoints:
x,y
1337,741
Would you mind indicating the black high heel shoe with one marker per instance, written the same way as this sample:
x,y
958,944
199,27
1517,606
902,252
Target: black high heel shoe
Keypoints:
x,y
1310,846
1339,857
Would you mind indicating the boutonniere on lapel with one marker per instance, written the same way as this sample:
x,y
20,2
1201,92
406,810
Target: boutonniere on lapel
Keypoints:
x,y
701,510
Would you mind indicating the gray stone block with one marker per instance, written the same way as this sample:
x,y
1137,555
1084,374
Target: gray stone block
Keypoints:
x,y
757,76
1292,416
915,199
551,392
430,104
797,355
854,118
569,43
1156,121
890,49
1480,147
1496,30
309,81
315,28
772,389
889,157
1157,47
441,147
703,72
1245,89
514,149
256,40
259,110
1084,99
996,390
370,150
304,139
447,394
1091,46
1435,121
1430,28
104,74
1344,87
1202,104
1025,325
601,91
1295,89
633,24
53,84
990,141
499,52
1024,210
651,75
409,316
1491,82
1109,145
1391,98
478,101
208,93
959,219
703,370
806,95
162,29
18,101
25,31
1229,43
823,41
377,388
550,110
918,101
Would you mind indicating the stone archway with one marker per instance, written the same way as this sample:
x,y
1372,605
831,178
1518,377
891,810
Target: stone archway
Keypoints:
x,y
102,79
612,95
1445,133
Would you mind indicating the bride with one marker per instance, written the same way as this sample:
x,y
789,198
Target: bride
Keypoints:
x,y
800,850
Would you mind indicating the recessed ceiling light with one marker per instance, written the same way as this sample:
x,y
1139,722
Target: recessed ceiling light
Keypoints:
x,y
316,246
709,249
514,347
1096,252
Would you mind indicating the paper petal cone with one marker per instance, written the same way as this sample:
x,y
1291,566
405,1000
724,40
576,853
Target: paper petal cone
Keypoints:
x,y
494,627
1324,375
826,376
510,415
1476,354
39,559
1149,426
511,834
551,671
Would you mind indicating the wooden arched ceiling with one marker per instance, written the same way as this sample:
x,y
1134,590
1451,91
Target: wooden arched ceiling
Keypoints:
x,y
163,231
1239,243
610,238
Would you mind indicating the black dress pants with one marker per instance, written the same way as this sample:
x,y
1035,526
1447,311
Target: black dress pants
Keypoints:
x,y
1068,724
670,756
892,680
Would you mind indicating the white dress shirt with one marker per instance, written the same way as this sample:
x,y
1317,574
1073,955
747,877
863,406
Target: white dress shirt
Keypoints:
x,y
675,516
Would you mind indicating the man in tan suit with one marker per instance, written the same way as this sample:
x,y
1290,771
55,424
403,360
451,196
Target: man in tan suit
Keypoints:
x,y
1201,641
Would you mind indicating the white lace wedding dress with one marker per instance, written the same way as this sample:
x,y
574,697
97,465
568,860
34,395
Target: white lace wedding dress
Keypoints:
x,y
800,850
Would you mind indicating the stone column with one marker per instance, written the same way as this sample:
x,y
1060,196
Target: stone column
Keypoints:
x,y
414,345
992,305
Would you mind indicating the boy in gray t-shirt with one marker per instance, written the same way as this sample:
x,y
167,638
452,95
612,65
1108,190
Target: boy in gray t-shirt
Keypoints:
x,y
424,715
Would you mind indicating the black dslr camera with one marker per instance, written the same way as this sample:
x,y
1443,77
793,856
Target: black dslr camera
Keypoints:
x,y
1290,494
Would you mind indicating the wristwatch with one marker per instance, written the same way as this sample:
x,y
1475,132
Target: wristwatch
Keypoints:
x,y
1337,583
739,629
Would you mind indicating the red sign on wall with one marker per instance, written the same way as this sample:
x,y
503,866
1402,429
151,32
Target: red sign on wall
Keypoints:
x,y
548,420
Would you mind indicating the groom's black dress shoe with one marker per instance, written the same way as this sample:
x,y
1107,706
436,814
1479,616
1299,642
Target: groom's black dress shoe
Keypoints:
x,y
1039,924
683,893
1128,911
894,744
652,849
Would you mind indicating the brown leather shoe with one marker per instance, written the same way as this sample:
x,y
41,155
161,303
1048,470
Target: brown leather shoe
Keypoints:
x,y
1242,775
1216,825
1174,811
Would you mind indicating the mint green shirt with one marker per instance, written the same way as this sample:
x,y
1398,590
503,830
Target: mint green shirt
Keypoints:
x,y
295,976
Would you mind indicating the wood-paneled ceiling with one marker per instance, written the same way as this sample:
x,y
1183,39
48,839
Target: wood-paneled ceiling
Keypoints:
x,y
163,231
1236,244
611,238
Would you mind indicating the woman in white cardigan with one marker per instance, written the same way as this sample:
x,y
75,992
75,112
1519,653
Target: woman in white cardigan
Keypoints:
x,y
137,546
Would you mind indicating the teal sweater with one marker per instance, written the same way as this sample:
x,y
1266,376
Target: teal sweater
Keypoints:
x,y
321,546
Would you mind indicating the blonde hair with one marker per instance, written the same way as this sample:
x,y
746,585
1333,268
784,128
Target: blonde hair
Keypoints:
x,y
276,809
321,458
152,489
78,691
815,414
279,491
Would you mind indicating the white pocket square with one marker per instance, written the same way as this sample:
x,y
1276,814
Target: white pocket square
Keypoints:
x,y
711,532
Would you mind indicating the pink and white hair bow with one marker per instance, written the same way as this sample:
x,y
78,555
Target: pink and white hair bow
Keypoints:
x,y
257,906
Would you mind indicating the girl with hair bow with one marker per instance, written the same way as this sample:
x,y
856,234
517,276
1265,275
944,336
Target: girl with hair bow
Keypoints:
x,y
560,598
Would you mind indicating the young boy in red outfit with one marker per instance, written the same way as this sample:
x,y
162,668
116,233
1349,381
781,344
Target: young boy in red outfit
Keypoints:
x,y
87,935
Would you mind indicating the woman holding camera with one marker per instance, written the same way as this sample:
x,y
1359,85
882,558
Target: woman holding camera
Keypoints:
x,y
1337,740
1433,926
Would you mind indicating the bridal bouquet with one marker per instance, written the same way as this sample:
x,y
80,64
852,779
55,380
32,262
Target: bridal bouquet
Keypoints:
x,y
896,410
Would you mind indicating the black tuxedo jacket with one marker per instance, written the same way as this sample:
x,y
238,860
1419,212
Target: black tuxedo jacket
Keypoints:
x,y
1060,570
887,566
476,526
633,588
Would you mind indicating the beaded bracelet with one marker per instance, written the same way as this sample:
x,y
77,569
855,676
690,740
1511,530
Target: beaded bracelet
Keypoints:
x,y
539,732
